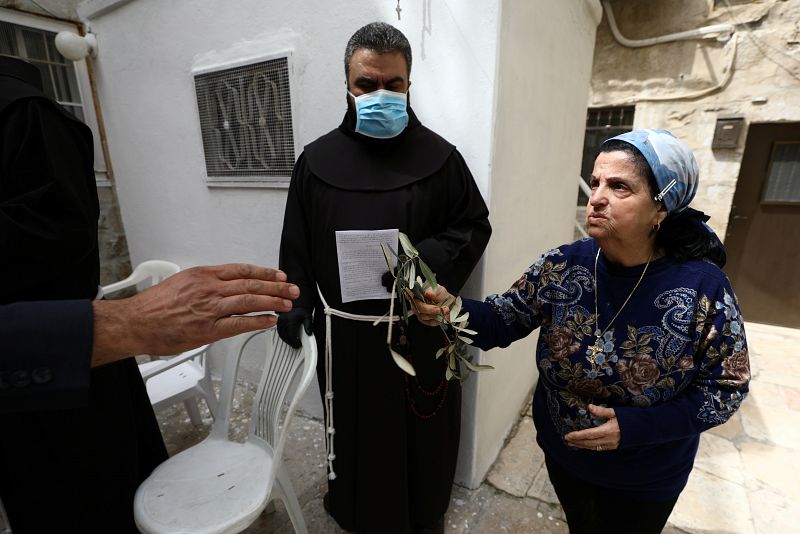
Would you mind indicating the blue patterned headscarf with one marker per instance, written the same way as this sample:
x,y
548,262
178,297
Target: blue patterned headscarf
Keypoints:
x,y
672,162
676,174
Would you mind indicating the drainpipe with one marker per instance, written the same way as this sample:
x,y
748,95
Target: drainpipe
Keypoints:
x,y
722,32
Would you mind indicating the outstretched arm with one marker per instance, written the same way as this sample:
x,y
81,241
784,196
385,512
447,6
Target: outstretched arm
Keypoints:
x,y
492,330
191,308
500,319
47,348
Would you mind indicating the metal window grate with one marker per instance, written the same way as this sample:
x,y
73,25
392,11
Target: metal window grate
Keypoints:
x,y
608,118
246,121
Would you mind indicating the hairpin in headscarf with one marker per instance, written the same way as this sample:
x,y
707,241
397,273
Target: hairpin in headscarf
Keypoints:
x,y
673,165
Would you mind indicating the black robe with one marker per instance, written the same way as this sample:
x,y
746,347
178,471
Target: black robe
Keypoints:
x,y
72,465
396,439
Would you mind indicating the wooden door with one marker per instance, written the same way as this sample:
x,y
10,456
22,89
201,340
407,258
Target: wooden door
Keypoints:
x,y
763,237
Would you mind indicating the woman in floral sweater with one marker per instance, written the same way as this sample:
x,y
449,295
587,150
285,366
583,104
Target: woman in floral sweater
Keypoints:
x,y
641,348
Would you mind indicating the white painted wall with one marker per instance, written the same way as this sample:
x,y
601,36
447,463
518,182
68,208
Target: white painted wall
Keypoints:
x,y
148,49
544,67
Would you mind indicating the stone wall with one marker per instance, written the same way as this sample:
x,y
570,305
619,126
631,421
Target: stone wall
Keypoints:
x,y
115,263
758,70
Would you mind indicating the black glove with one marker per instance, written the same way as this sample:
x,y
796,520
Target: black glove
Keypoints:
x,y
387,280
289,325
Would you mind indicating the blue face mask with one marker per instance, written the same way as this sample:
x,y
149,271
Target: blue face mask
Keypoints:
x,y
381,114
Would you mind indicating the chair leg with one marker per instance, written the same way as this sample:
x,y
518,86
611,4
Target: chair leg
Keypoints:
x,y
289,498
194,411
206,389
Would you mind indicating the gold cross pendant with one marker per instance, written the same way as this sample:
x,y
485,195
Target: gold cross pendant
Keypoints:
x,y
595,350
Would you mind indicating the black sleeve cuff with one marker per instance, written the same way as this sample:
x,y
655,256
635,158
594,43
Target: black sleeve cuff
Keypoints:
x,y
45,355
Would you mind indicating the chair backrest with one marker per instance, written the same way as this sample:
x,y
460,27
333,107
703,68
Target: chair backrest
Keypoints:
x,y
153,270
284,367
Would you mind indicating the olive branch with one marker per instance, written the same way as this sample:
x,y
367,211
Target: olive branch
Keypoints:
x,y
412,278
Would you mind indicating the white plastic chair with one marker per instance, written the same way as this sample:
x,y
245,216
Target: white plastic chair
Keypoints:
x,y
182,378
221,486
151,271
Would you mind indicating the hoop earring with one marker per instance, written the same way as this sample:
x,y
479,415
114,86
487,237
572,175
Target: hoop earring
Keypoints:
x,y
656,227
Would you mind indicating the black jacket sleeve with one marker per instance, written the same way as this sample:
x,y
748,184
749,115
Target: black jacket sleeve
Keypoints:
x,y
45,355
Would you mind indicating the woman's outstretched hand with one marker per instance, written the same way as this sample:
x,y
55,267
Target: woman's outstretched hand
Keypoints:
x,y
605,437
428,314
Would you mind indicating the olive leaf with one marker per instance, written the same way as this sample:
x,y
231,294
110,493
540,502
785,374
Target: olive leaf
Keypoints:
x,y
377,321
466,331
403,364
429,276
460,319
408,248
474,366
455,308
389,262
412,278
406,311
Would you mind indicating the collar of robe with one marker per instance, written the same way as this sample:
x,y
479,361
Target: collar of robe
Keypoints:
x,y
348,160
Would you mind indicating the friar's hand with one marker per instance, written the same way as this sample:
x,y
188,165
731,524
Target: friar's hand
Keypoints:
x,y
601,438
387,280
289,324
429,314
191,308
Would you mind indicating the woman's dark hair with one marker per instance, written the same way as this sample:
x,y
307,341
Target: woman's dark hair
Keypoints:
x,y
682,236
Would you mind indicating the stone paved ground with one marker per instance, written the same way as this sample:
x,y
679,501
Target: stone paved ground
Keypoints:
x,y
746,478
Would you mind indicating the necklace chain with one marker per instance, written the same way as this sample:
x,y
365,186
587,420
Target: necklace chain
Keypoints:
x,y
597,332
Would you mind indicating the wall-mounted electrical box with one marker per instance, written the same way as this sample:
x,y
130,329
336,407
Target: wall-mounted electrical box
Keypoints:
x,y
727,131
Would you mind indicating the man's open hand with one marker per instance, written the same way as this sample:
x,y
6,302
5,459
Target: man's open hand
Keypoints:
x,y
189,309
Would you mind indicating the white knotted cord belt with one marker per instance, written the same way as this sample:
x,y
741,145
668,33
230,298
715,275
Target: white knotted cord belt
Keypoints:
x,y
390,318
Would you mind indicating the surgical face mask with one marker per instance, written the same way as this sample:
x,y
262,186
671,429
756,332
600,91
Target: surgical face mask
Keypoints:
x,y
381,114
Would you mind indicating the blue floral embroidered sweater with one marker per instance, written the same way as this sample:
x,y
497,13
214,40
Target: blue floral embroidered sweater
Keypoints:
x,y
673,364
